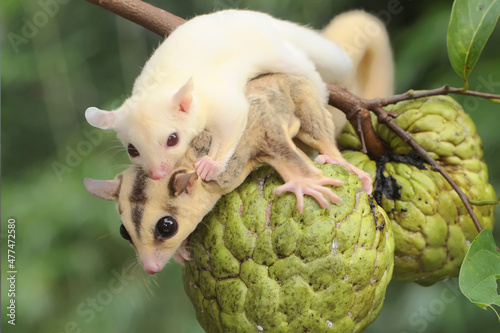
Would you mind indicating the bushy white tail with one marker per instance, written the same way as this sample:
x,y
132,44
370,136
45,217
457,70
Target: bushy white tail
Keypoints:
x,y
365,39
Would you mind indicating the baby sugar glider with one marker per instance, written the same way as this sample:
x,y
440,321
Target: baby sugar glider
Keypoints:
x,y
158,215
196,80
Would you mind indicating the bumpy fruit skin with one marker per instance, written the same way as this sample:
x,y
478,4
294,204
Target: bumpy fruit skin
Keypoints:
x,y
432,229
259,266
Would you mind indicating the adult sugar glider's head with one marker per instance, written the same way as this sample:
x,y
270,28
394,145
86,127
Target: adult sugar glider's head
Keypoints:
x,y
154,125
157,215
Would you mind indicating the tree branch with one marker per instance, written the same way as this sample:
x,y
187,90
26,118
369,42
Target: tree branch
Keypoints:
x,y
150,17
356,108
444,90
359,115
352,104
389,122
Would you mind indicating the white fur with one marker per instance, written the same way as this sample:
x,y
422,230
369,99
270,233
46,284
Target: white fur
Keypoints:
x,y
220,52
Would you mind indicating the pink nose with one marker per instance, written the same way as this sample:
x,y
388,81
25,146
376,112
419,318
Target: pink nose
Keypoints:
x,y
158,174
152,268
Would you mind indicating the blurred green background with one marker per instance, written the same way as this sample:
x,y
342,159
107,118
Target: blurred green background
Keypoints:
x,y
75,273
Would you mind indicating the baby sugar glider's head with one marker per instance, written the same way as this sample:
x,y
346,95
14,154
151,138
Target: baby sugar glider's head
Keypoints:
x,y
155,126
157,215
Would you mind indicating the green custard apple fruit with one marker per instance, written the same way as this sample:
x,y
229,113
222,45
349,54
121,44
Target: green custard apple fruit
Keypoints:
x,y
259,266
432,229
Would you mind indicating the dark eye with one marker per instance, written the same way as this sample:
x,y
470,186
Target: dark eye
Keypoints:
x,y
124,233
172,140
166,227
132,151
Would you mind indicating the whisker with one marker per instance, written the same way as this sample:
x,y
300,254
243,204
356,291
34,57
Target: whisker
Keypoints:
x,y
133,262
149,283
146,286
119,167
115,150
105,236
110,157
117,147
136,269
122,165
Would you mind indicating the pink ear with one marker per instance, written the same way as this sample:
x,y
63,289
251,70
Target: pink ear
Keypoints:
x,y
184,182
101,119
184,96
104,189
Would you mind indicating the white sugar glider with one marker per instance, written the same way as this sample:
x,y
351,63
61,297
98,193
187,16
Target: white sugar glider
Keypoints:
x,y
158,215
196,79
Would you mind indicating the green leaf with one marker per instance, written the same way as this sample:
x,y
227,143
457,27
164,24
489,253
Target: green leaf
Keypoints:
x,y
480,270
471,24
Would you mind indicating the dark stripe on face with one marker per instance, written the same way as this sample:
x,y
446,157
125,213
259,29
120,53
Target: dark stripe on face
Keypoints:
x,y
171,209
137,212
138,198
138,190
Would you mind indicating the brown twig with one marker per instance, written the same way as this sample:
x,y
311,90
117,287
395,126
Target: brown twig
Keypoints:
x,y
163,23
359,128
352,104
389,122
444,90
150,17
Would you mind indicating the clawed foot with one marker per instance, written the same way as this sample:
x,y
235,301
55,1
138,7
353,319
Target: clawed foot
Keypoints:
x,y
207,168
362,175
312,187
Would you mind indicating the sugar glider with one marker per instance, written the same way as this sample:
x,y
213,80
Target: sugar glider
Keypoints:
x,y
158,215
196,79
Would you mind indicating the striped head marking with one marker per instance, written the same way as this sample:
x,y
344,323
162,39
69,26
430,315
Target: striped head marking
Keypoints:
x,y
152,220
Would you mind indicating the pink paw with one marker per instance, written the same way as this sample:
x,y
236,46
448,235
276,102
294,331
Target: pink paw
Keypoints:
x,y
365,178
207,168
312,187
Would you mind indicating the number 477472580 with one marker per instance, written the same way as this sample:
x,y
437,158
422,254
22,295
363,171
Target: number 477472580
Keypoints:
x,y
11,243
